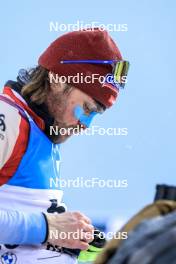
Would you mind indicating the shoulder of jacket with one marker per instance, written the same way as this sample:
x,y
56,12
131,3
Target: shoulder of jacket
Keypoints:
x,y
10,120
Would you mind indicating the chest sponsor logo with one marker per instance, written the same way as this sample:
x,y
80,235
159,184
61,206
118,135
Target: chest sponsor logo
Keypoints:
x,y
2,122
8,258
2,126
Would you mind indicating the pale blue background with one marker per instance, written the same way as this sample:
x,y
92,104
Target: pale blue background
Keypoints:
x,y
146,107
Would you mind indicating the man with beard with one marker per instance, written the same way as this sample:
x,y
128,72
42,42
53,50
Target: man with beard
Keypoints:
x,y
31,209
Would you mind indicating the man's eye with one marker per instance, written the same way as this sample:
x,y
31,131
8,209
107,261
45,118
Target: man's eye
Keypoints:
x,y
86,109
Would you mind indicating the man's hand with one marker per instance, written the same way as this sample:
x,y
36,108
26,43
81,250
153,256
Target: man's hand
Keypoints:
x,y
70,230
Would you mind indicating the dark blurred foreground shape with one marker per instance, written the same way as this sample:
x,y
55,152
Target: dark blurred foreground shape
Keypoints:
x,y
151,234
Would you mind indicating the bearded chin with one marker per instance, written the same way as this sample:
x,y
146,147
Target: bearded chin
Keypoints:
x,y
54,135
58,139
53,132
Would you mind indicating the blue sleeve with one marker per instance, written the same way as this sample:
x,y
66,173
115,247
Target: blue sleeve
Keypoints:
x,y
17,228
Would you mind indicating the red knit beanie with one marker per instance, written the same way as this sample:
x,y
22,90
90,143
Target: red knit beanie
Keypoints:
x,y
90,44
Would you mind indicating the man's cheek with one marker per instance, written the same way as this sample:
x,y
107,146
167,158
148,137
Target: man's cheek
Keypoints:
x,y
69,117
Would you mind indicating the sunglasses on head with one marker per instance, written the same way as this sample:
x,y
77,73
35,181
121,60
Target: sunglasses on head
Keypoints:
x,y
118,76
